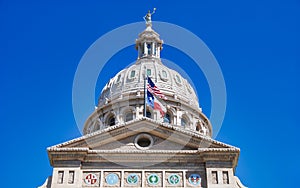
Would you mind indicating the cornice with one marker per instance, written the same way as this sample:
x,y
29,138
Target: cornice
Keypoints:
x,y
116,156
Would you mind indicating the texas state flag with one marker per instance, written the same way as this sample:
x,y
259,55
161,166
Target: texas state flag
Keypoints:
x,y
155,104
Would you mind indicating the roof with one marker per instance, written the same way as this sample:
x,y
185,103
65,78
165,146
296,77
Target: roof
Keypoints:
x,y
107,145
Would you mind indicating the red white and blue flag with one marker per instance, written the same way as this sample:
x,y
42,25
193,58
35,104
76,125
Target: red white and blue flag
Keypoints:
x,y
155,104
154,90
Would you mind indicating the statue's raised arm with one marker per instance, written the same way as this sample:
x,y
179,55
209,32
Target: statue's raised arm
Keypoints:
x,y
147,17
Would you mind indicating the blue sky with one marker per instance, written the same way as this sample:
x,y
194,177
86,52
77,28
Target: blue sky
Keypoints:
x,y
255,42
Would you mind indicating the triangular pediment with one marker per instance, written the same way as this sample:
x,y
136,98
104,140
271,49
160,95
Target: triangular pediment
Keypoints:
x,y
142,140
125,137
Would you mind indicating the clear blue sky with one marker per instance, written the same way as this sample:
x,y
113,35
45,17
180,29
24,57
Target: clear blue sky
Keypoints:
x,y
255,42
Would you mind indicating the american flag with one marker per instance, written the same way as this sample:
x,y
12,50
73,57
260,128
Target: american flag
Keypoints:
x,y
154,90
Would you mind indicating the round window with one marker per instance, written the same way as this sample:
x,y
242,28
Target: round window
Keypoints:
x,y
143,141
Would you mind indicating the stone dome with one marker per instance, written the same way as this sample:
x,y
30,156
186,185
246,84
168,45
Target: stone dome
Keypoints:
x,y
122,98
131,80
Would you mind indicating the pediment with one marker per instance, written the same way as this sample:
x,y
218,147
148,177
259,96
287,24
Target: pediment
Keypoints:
x,y
126,136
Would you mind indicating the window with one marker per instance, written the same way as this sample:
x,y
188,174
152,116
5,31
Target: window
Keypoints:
x,y
167,118
143,141
132,74
198,127
142,50
214,175
178,79
148,114
129,116
60,178
148,72
183,122
119,78
111,121
71,177
164,74
149,48
225,177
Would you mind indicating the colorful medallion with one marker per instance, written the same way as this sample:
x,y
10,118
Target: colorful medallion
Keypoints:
x,y
90,179
153,179
112,179
132,179
174,179
195,179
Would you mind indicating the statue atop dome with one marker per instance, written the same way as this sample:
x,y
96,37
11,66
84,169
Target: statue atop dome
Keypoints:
x,y
147,17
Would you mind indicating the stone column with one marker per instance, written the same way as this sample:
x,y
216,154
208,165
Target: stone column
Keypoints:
x,y
145,49
153,48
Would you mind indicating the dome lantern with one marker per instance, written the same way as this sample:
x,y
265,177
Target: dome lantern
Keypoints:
x,y
148,44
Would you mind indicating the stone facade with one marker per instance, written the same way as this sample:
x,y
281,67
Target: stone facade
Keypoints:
x,y
177,153
122,148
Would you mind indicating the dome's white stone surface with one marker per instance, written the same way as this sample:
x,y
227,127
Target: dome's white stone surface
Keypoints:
x,y
131,80
122,98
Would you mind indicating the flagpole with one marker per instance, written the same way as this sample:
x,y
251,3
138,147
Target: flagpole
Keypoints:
x,y
145,92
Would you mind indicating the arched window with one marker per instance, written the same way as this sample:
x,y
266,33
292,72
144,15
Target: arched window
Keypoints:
x,y
183,122
132,74
164,74
111,121
97,126
149,48
167,118
148,114
128,116
148,72
119,78
198,127
178,79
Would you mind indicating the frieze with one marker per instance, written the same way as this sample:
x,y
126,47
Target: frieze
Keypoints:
x,y
67,155
144,158
143,178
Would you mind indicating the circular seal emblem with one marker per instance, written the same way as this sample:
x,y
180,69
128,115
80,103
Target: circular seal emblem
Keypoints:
x,y
90,179
153,179
132,179
195,179
174,179
112,179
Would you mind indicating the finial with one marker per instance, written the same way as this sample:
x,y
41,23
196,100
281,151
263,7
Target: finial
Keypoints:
x,y
147,17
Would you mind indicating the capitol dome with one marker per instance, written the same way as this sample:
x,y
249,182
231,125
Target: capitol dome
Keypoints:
x,y
122,98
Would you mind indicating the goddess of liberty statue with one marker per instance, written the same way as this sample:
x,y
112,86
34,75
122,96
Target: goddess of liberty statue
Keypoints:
x,y
147,17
